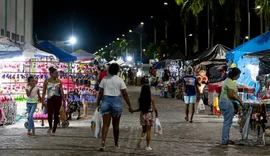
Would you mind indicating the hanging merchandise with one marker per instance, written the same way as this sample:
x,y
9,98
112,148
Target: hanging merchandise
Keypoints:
x,y
8,109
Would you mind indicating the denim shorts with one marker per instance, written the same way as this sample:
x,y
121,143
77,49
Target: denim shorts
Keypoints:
x,y
190,99
111,105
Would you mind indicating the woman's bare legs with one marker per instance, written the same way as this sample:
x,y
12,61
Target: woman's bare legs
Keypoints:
x,y
105,129
116,122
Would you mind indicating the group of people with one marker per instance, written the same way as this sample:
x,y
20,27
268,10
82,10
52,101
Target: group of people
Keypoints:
x,y
228,96
110,104
55,95
111,88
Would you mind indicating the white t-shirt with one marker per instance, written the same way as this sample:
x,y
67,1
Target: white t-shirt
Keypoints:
x,y
112,85
33,98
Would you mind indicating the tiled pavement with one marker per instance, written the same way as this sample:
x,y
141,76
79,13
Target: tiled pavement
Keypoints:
x,y
179,137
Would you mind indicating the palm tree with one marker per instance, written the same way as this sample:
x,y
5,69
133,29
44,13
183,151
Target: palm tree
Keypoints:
x,y
195,7
263,10
237,20
212,4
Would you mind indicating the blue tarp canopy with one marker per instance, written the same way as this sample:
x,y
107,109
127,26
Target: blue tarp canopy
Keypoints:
x,y
59,53
9,49
247,65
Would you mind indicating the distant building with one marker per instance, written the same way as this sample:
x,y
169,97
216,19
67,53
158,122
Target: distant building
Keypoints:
x,y
16,20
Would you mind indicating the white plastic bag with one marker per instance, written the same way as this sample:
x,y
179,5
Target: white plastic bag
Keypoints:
x,y
157,128
200,106
96,124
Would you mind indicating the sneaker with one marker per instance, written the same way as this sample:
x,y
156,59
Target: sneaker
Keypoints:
x,y
139,143
148,149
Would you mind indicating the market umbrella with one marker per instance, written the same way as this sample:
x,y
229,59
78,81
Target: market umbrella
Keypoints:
x,y
83,55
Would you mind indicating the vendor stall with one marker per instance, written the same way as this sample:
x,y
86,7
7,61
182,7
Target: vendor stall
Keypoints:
x,y
214,90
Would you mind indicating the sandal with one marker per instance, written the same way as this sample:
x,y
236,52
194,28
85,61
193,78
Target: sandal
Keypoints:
x,y
186,118
102,146
230,142
117,147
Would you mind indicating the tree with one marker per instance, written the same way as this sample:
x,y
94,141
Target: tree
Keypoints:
x,y
237,20
158,49
195,7
263,11
213,7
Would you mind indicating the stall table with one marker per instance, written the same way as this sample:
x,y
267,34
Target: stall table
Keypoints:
x,y
254,116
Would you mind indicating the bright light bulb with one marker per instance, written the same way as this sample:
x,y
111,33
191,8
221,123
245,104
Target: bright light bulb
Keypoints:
x,y
72,40
129,58
142,23
130,31
258,7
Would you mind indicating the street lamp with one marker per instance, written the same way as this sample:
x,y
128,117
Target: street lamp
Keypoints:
x,y
247,37
101,48
141,50
258,7
165,3
118,39
123,35
106,46
72,40
190,35
129,58
155,30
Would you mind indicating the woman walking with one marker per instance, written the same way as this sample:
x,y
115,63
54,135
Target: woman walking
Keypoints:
x,y
111,87
54,89
227,96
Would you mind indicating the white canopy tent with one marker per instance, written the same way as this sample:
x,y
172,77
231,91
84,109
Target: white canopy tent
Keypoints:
x,y
9,49
29,51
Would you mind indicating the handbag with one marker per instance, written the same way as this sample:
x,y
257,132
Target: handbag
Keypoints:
x,y
63,114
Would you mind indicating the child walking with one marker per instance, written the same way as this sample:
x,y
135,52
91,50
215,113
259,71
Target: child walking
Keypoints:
x,y
33,95
146,107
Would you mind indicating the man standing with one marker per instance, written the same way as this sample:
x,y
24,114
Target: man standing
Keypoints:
x,y
190,90
102,74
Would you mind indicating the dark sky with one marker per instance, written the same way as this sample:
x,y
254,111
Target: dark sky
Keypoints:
x,y
96,23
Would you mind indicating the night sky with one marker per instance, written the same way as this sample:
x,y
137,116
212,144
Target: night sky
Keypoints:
x,y
96,23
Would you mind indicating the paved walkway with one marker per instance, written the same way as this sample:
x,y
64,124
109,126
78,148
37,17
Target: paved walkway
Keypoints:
x,y
179,137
